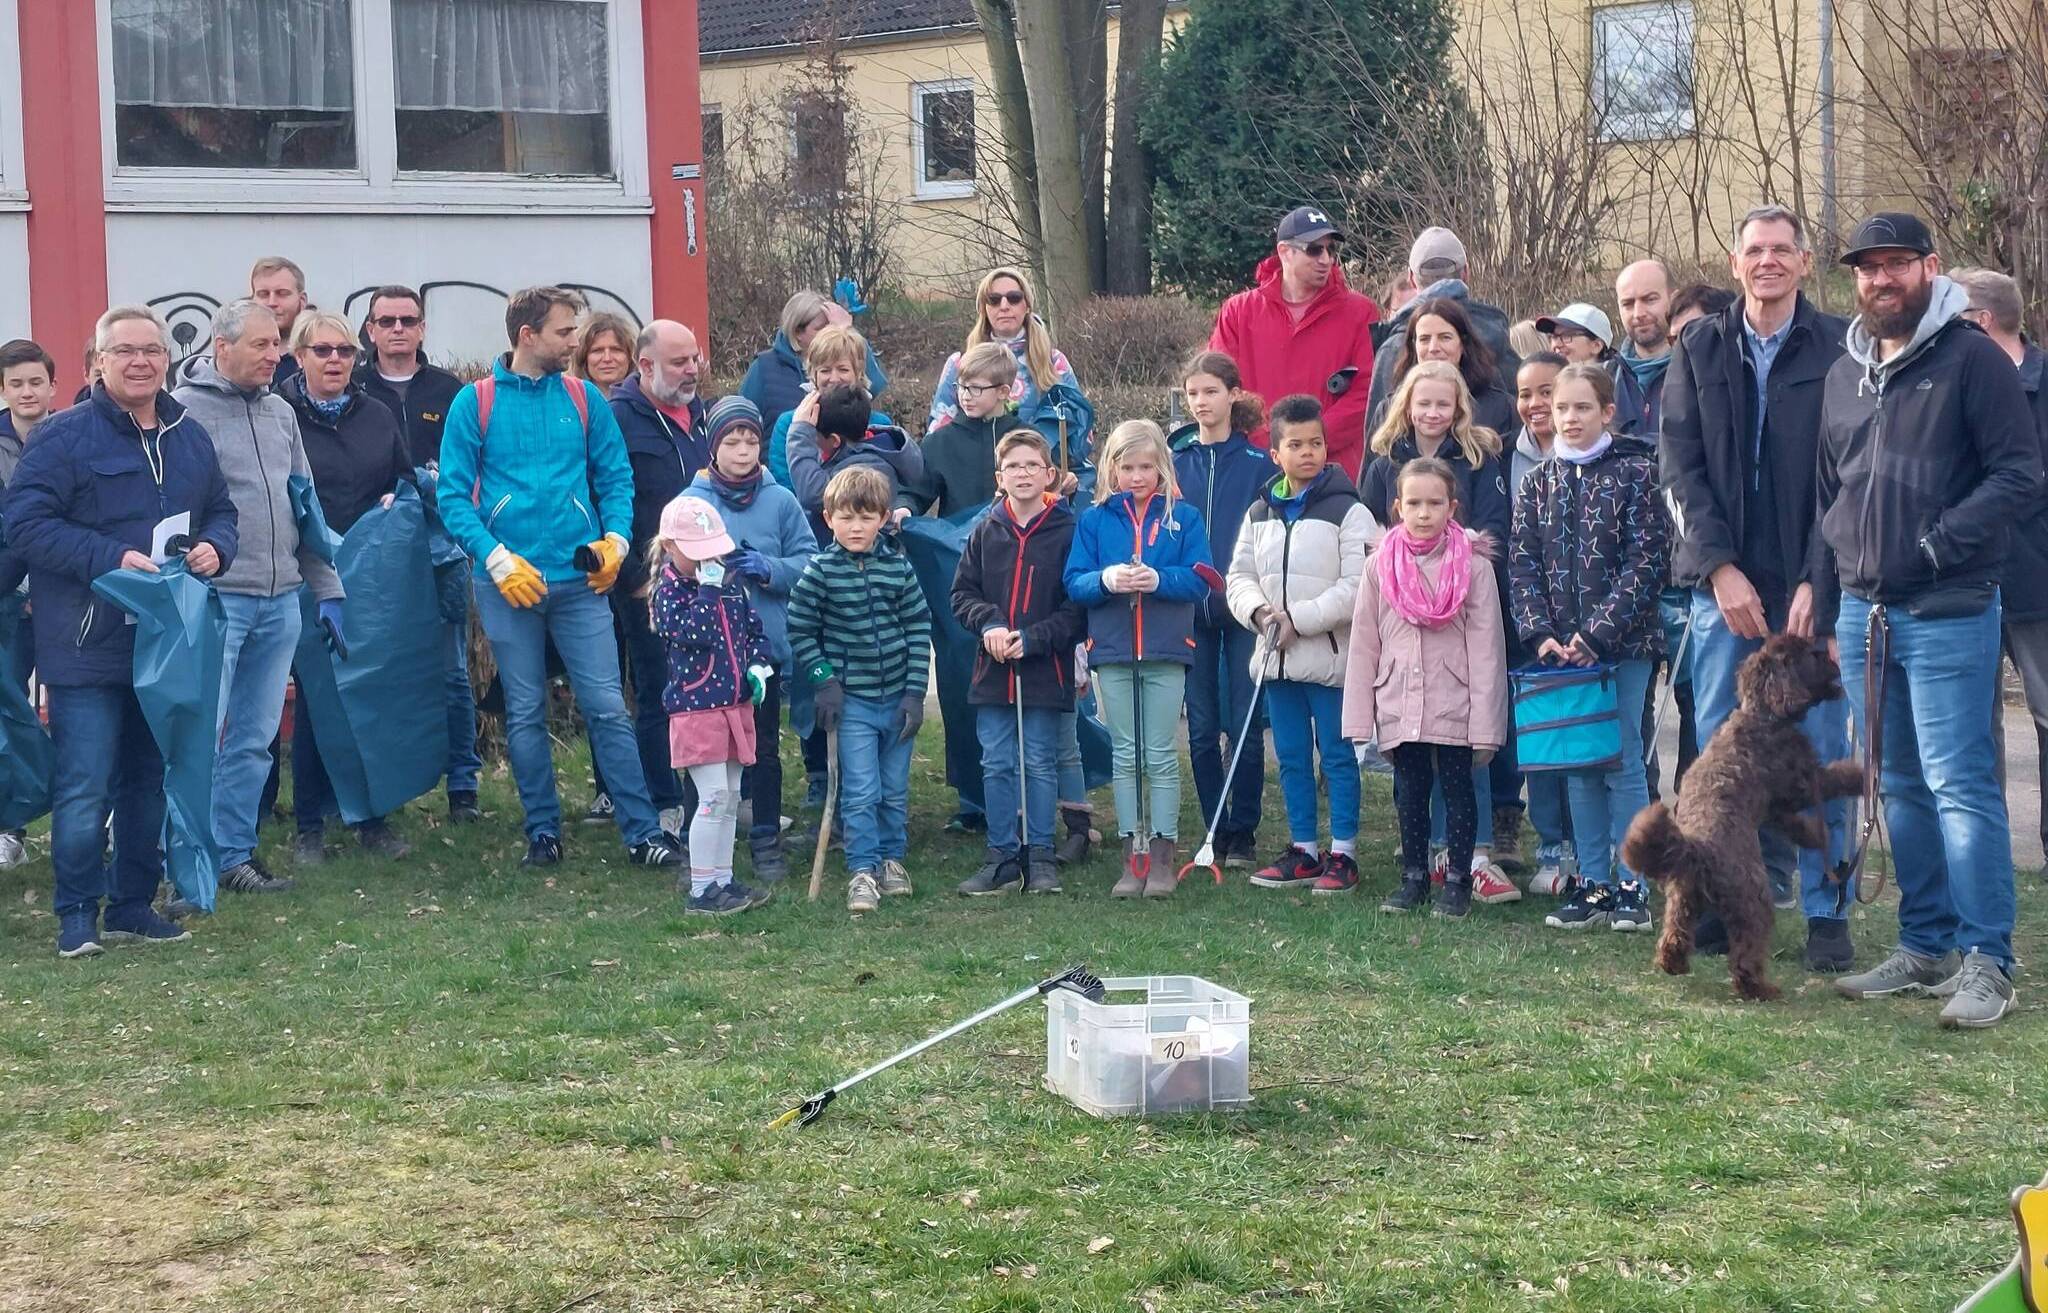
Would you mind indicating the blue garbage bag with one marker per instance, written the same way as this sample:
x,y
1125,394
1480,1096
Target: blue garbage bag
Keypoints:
x,y
312,521
451,567
380,718
1063,401
26,757
180,639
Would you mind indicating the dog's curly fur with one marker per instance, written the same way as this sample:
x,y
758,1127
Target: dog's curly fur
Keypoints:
x,y
1759,769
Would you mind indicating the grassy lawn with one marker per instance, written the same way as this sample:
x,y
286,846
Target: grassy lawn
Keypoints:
x,y
456,1085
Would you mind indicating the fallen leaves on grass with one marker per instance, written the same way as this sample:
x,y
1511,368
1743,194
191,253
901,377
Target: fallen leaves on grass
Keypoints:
x,y
1100,1243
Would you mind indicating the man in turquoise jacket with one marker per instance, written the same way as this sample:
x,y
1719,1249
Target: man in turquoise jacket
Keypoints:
x,y
538,491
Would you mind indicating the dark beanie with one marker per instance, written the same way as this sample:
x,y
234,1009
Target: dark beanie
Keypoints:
x,y
727,414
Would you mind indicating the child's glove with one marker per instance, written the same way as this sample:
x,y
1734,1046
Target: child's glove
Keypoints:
x,y
607,554
1361,750
910,717
757,683
751,564
828,705
330,623
518,582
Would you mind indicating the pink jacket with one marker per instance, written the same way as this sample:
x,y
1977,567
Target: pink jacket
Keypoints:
x,y
1404,684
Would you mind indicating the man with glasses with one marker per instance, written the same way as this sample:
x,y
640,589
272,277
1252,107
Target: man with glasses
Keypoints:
x,y
1741,411
1927,456
86,499
1303,329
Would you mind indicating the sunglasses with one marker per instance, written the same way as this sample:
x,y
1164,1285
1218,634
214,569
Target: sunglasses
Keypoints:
x,y
396,321
1003,298
1318,250
328,350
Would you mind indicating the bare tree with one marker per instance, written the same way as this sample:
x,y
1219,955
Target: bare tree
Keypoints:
x,y
1141,26
1047,38
998,21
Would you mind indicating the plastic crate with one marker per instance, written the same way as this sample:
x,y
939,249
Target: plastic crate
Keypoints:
x,y
1185,1048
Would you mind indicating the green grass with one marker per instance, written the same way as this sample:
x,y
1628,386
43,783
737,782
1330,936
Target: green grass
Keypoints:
x,y
456,1085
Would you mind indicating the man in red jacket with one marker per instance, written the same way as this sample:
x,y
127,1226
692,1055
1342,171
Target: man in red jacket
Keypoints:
x,y
1303,330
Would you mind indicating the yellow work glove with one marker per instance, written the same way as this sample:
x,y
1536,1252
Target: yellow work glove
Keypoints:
x,y
519,583
610,552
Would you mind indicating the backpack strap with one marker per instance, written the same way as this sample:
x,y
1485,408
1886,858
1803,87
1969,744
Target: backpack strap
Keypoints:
x,y
579,398
487,395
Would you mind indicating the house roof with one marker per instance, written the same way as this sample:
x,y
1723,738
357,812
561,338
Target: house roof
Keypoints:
x,y
730,27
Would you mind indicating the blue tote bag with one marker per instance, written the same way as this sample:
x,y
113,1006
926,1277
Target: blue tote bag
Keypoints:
x,y
1566,718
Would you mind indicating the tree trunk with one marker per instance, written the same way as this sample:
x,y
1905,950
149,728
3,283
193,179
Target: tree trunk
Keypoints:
x,y
1013,107
1141,29
1042,36
1087,47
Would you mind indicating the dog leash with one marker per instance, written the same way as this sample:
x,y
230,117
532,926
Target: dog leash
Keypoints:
x,y
1877,657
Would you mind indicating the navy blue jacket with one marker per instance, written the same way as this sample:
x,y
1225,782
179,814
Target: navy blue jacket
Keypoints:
x,y
1157,626
85,493
2024,591
665,460
1223,482
712,636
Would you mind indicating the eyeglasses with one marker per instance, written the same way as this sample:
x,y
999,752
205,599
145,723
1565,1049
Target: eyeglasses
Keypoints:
x,y
1003,298
328,350
1024,466
1892,266
396,321
980,389
154,351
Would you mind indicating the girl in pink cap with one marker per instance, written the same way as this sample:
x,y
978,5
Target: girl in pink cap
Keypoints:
x,y
718,669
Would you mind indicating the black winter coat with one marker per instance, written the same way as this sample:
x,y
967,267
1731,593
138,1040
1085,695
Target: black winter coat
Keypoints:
x,y
666,459
1591,547
356,457
1483,501
424,410
2024,593
1009,578
960,464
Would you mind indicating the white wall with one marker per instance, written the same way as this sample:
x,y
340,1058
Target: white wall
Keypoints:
x,y
14,277
187,265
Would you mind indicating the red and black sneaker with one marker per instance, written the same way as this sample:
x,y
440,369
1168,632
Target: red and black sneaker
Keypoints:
x,y
1290,870
1340,875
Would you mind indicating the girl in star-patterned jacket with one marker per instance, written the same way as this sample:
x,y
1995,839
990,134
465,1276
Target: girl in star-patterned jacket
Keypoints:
x,y
1590,548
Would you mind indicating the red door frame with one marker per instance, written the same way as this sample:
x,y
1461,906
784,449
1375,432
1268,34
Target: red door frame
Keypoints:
x,y
67,218
677,237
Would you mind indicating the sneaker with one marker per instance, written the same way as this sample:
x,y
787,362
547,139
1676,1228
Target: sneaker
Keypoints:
x,y
142,926
462,809
13,852
1904,972
1290,870
658,851
966,822
1507,838
1236,851
1129,884
895,881
1978,995
1490,884
310,848
998,875
862,895
1412,894
543,850
250,877
78,935
676,821
716,900
1586,905
1828,947
1549,877
1630,912
750,896
380,840
1163,876
1340,875
1043,876
600,810
1453,901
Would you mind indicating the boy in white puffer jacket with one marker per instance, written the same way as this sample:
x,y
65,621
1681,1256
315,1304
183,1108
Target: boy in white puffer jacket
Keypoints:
x,y
1294,580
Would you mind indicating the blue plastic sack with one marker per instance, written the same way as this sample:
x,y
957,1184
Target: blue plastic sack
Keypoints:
x,y
1567,718
381,717
1063,401
26,757
312,521
180,641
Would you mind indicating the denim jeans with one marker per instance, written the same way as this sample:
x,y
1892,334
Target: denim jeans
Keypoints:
x,y
1151,691
761,783
1715,656
1604,802
579,623
105,758
1951,840
1308,718
874,783
1073,777
262,638
463,764
1219,697
1549,807
996,727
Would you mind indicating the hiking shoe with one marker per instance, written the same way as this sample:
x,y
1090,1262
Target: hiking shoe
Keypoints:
x,y
1490,884
310,848
1507,840
998,875
966,822
1588,904
1828,947
543,849
1549,877
895,882
1340,875
1130,884
78,934
1710,935
749,895
1073,846
771,864
1978,995
1163,877
462,809
13,852
1453,901
600,810
142,926
716,900
380,840
1043,877
862,894
661,850
250,877
1236,850
1904,972
1631,910
1290,870
1412,894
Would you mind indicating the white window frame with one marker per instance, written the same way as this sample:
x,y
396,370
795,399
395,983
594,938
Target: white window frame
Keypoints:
x,y
376,185
1609,21
937,191
13,152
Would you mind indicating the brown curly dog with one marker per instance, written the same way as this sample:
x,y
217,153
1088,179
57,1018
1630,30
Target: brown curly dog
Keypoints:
x,y
1759,769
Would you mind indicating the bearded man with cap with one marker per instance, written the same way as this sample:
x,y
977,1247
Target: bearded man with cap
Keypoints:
x,y
1438,267
1927,457
1303,330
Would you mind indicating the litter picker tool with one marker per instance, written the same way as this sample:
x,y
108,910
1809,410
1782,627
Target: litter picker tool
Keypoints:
x,y
1138,861
1205,860
1023,782
1076,978
825,817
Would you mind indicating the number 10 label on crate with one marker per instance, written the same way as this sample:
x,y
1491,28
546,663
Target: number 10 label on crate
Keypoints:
x,y
1182,1044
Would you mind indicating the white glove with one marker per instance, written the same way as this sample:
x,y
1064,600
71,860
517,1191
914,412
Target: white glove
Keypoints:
x,y
712,573
1361,750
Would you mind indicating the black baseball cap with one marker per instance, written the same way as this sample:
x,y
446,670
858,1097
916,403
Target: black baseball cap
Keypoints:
x,y
1305,224
1889,230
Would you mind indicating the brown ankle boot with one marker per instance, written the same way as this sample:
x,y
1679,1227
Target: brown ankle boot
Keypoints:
x,y
1129,884
1507,838
1074,846
1164,876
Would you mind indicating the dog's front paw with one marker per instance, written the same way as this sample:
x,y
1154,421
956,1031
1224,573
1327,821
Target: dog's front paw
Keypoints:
x,y
1673,962
1841,779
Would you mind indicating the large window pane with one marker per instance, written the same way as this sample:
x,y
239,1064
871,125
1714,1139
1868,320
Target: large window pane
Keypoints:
x,y
945,139
503,86
248,84
1643,70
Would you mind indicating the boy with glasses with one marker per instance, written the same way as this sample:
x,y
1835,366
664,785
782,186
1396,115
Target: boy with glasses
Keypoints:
x,y
959,458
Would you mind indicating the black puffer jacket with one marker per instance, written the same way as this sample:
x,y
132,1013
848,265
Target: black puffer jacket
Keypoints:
x,y
357,456
1009,578
1590,552
2024,593
424,411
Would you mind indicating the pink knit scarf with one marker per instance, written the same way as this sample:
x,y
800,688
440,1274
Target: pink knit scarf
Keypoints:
x,y
1399,562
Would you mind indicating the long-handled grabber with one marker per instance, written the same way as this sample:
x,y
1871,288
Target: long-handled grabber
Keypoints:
x,y
1205,859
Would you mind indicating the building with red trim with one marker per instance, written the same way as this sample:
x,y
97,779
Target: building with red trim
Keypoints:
x,y
151,150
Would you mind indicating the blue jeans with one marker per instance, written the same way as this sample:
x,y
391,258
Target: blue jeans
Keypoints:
x,y
874,783
1951,836
579,622
105,758
649,658
1549,807
1604,802
996,727
1219,697
1073,778
463,763
1308,718
1715,656
262,638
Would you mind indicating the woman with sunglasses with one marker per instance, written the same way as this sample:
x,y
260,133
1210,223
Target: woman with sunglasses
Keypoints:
x,y
1003,313
358,456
